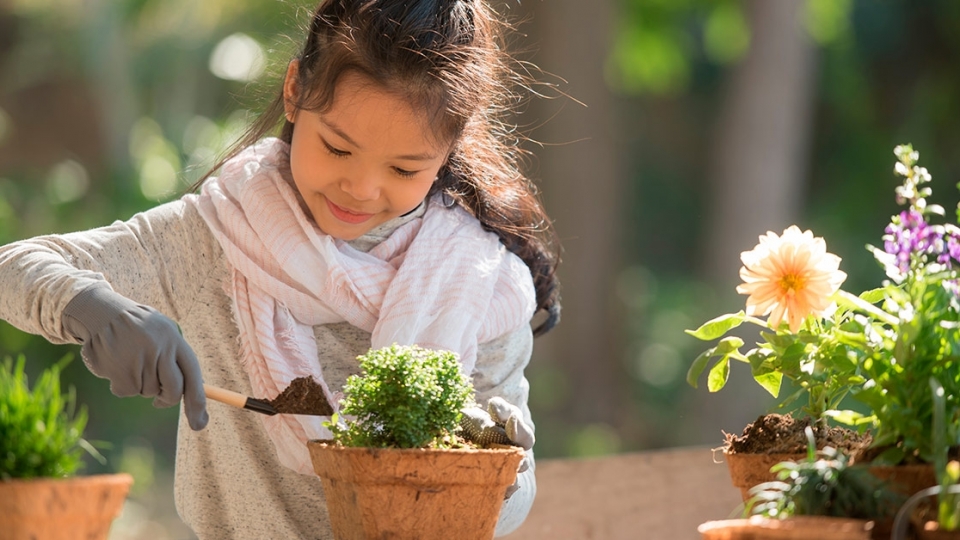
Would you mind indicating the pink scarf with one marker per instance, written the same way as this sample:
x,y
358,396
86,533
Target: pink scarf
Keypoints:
x,y
440,282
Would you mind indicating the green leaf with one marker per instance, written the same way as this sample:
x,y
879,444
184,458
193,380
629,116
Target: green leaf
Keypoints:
x,y
850,418
873,296
792,397
761,361
718,326
699,364
729,346
770,382
763,366
790,359
719,374
908,332
778,341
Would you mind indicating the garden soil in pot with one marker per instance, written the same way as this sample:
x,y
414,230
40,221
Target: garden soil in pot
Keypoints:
x,y
773,438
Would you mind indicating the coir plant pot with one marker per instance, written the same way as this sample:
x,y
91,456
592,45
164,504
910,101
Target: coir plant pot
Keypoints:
x,y
930,530
78,508
794,528
906,479
919,516
749,470
774,438
414,493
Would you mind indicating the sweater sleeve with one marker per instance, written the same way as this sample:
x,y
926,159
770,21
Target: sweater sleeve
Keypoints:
x,y
499,372
157,258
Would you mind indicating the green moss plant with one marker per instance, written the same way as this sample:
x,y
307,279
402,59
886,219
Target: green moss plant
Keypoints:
x,y
405,397
40,429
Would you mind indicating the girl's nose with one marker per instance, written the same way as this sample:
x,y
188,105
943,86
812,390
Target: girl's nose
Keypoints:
x,y
362,187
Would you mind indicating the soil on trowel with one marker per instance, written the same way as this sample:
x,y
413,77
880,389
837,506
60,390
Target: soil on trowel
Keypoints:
x,y
784,434
303,396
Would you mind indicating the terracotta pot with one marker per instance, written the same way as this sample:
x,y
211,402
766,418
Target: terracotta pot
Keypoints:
x,y
906,479
795,528
415,493
748,470
930,530
918,514
81,507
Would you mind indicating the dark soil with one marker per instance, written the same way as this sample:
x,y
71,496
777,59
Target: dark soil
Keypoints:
x,y
783,434
303,396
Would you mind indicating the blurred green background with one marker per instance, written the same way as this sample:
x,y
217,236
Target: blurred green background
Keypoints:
x,y
673,133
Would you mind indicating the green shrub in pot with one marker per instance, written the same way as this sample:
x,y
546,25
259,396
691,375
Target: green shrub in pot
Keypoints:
x,y
41,430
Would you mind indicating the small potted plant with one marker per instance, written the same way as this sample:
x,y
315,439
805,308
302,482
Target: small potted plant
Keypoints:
x,y
939,521
880,347
819,497
807,339
396,467
915,339
41,450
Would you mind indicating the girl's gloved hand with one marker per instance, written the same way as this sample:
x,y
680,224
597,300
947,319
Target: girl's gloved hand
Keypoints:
x,y
138,349
501,423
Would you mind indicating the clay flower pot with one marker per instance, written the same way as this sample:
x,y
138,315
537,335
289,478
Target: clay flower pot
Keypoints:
x,y
906,479
77,508
413,493
916,514
749,470
794,528
930,530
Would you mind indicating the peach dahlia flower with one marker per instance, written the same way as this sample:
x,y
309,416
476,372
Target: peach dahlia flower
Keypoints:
x,y
789,277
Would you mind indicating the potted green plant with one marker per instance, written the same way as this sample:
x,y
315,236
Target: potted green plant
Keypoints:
x,y
41,450
939,521
880,347
807,339
915,339
397,467
823,497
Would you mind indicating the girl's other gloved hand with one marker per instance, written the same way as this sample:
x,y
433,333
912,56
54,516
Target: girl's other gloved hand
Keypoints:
x,y
501,423
138,349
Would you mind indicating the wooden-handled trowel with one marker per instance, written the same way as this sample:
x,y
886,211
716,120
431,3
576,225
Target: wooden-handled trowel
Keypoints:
x,y
303,396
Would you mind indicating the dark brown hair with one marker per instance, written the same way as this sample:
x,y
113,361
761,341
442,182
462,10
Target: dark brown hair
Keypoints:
x,y
447,58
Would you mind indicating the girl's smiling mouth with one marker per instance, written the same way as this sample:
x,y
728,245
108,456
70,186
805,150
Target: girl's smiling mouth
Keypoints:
x,y
345,215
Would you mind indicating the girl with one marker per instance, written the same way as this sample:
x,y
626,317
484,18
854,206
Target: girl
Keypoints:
x,y
390,209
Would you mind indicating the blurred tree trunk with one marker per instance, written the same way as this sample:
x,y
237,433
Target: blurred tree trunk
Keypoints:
x,y
110,80
761,138
581,181
757,168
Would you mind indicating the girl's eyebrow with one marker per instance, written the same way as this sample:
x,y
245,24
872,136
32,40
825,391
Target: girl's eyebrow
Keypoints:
x,y
423,156
340,133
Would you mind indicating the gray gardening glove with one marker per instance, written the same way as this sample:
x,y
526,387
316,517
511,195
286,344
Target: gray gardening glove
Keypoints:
x,y
501,423
138,349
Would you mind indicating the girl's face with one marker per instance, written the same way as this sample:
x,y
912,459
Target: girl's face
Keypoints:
x,y
367,159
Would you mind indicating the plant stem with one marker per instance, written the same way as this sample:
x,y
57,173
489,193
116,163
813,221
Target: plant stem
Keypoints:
x,y
868,307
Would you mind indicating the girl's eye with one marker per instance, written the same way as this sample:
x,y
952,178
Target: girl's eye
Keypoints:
x,y
403,172
334,151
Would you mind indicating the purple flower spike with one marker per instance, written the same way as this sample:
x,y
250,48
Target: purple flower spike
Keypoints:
x,y
953,247
909,234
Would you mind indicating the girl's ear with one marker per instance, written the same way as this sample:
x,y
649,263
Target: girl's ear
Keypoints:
x,y
290,91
